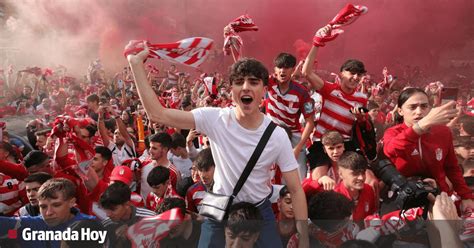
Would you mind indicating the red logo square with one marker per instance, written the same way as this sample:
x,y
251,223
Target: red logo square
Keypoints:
x,y
12,234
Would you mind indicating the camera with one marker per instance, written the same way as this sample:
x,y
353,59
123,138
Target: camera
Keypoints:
x,y
409,193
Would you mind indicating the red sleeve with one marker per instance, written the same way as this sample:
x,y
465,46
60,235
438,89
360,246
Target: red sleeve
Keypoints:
x,y
17,171
97,191
454,173
327,88
189,200
395,141
65,162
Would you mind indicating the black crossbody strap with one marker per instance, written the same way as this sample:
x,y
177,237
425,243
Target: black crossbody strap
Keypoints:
x,y
254,158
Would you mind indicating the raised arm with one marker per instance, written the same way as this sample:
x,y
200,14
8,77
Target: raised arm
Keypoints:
x,y
102,129
157,113
315,81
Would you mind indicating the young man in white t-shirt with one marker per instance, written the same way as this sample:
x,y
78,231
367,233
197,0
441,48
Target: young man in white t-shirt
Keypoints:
x,y
234,134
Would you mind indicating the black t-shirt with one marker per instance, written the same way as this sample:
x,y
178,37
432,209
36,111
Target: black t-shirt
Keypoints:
x,y
179,242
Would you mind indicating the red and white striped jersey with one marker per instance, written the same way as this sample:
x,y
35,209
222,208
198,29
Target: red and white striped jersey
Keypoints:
x,y
335,113
153,201
10,195
285,109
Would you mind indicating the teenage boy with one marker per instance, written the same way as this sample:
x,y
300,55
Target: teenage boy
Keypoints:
x,y
352,167
56,200
326,177
287,100
234,134
286,216
121,213
341,102
205,166
179,156
244,225
159,181
32,185
329,213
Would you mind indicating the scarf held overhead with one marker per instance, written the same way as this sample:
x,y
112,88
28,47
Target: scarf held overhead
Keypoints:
x,y
191,51
346,16
232,42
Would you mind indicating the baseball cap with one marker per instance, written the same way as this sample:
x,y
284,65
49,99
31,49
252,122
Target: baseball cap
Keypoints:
x,y
122,173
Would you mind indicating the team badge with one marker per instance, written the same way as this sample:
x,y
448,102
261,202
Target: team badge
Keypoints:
x,y
366,207
121,172
439,154
308,107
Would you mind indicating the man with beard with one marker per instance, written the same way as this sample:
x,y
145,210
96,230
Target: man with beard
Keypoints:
x,y
160,144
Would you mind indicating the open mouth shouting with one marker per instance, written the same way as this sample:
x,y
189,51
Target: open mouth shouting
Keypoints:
x,y
247,100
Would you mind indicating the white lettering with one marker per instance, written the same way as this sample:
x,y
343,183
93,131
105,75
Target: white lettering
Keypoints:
x,y
26,234
68,234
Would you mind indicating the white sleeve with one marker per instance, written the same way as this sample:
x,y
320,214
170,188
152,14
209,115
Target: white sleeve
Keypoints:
x,y
286,158
205,119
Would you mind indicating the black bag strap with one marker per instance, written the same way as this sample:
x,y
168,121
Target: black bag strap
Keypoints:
x,y
254,158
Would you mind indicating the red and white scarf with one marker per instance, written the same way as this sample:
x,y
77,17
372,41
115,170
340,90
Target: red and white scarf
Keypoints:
x,y
191,51
232,42
346,16
149,231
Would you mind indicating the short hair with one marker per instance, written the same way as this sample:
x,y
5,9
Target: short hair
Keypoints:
x,y
331,138
92,225
244,217
116,194
285,60
353,161
92,98
248,67
354,66
35,157
325,209
183,185
104,152
372,105
467,124
177,140
43,132
7,147
51,188
170,203
39,177
158,175
204,160
92,129
284,191
163,138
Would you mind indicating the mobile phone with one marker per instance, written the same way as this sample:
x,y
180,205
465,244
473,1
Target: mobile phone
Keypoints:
x,y
120,83
448,94
361,110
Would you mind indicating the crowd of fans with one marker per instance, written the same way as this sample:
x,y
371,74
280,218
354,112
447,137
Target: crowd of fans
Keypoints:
x,y
118,150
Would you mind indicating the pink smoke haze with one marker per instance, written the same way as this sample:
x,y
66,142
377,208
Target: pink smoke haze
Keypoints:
x,y
429,34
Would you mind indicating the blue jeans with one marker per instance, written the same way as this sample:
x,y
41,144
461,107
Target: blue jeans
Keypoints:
x,y
212,232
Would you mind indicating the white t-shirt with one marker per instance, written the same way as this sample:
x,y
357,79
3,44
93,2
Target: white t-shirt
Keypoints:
x,y
232,145
182,164
120,155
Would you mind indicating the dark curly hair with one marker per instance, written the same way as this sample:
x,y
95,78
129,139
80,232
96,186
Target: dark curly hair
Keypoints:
x,y
248,67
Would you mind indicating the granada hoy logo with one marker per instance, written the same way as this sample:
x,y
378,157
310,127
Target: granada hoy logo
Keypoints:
x,y
68,235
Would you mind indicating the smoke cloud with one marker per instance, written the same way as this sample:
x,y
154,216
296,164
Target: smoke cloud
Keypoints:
x,y
428,34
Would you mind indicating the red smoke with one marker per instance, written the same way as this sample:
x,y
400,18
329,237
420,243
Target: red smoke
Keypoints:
x,y
392,33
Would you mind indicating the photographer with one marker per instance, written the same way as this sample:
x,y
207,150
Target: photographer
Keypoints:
x,y
423,146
